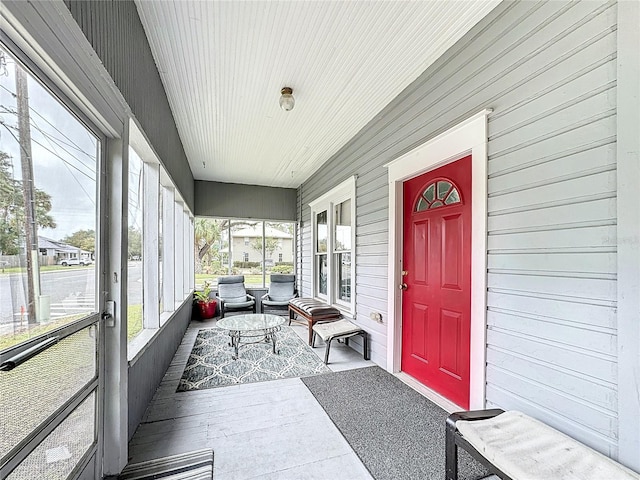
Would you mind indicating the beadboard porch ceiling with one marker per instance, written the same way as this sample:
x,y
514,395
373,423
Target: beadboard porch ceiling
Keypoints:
x,y
223,64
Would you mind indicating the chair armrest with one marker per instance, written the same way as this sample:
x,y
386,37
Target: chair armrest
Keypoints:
x,y
265,296
251,297
220,302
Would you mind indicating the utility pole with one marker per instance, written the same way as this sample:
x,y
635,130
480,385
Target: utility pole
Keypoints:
x,y
28,194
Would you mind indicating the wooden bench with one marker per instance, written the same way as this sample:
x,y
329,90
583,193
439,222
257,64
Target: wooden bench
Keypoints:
x,y
514,446
312,311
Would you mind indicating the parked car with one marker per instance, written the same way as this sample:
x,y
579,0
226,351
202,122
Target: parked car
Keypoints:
x,y
74,261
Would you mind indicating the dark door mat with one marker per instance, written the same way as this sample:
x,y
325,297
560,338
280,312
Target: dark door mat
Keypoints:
x,y
396,432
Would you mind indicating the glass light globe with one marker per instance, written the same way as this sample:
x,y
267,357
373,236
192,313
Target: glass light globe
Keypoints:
x,y
286,100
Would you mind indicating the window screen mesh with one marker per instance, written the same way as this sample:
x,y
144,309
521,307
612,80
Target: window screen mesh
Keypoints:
x,y
59,453
34,390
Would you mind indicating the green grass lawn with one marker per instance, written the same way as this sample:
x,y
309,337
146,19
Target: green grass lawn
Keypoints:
x,y
43,268
250,281
134,326
9,340
134,320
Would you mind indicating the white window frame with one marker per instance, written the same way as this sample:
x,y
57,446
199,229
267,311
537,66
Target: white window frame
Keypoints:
x,y
179,250
150,227
168,249
315,268
339,194
186,252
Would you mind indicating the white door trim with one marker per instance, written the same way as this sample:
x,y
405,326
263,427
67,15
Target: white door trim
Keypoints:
x,y
468,137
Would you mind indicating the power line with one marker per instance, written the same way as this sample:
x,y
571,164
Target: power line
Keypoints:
x,y
66,164
9,127
91,137
8,90
92,156
56,139
47,136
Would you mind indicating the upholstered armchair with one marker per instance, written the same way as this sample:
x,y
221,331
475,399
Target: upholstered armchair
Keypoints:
x,y
233,296
281,289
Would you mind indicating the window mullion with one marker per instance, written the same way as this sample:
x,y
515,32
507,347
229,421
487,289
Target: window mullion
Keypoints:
x,y
179,237
331,281
168,248
150,212
185,252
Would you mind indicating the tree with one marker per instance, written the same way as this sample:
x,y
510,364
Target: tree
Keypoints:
x,y
271,245
12,216
286,227
208,238
84,239
135,243
207,233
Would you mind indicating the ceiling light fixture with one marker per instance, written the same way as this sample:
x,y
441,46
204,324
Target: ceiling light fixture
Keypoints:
x,y
286,100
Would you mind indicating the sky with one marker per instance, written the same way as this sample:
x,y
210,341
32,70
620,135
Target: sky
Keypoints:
x,y
64,154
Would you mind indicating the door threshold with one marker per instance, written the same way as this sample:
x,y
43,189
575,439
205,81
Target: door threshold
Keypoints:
x,y
425,391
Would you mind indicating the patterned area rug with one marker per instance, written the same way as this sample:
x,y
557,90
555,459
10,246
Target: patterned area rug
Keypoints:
x,y
210,364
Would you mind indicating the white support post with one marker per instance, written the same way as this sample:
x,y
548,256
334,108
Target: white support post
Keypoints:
x,y
150,234
192,257
628,173
115,415
168,248
178,252
186,283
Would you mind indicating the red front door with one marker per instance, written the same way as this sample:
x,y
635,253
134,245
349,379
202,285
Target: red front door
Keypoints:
x,y
436,302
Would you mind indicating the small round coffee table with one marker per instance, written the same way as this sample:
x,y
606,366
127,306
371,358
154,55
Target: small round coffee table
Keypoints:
x,y
255,325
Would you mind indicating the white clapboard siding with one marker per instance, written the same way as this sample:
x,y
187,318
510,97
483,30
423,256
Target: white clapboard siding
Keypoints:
x,y
600,393
548,71
557,238
598,289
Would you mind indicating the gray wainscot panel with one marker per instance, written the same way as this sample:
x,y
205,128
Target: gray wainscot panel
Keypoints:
x,y
148,368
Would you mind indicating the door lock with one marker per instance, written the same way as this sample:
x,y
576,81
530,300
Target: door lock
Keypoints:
x,y
109,314
402,286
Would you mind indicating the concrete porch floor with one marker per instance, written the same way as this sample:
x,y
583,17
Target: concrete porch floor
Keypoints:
x,y
267,430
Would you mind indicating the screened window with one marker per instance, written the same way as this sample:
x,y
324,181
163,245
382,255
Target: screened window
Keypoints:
x,y
48,210
255,249
135,281
160,254
49,206
159,233
334,237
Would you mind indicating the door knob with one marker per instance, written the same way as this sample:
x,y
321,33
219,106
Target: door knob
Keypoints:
x,y
402,286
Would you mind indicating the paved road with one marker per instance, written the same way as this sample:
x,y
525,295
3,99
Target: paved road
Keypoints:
x,y
70,291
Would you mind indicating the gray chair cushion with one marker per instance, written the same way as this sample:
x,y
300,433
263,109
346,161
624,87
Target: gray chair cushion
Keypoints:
x,y
231,289
247,303
274,303
281,292
281,289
